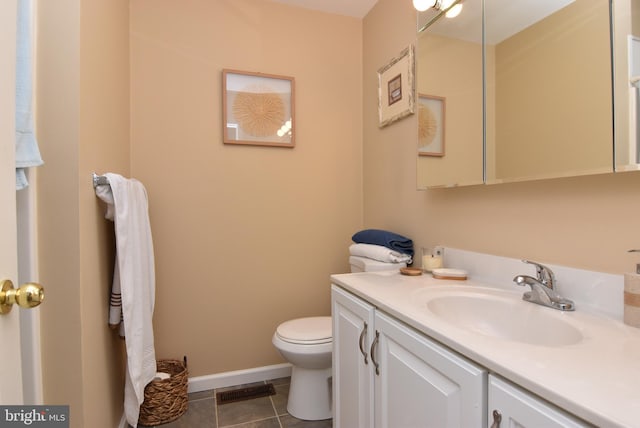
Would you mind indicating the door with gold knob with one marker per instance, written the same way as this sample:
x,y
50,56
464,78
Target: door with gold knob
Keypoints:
x,y
27,296
11,367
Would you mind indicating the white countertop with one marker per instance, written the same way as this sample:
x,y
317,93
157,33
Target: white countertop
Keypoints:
x,y
597,379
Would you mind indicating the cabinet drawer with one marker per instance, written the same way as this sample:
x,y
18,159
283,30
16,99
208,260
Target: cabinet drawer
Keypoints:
x,y
519,408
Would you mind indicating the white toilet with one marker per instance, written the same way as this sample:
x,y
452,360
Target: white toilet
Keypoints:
x,y
307,343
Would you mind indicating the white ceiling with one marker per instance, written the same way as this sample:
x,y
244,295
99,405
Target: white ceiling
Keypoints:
x,y
355,8
503,19
506,17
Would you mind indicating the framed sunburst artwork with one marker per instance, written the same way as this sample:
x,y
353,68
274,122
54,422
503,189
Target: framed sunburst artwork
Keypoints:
x,y
258,109
431,111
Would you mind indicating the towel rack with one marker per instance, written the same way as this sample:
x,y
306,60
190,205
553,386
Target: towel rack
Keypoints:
x,y
99,180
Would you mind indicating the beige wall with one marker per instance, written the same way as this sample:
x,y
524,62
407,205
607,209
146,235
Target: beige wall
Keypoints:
x,y
635,16
245,237
585,222
104,146
83,126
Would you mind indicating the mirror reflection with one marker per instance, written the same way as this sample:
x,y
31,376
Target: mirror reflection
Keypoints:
x,y
547,91
449,69
627,93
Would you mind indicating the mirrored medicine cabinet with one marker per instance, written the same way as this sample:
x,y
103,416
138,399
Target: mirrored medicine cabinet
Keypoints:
x,y
515,90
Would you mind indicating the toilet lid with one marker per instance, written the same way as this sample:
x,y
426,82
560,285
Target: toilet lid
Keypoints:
x,y
313,330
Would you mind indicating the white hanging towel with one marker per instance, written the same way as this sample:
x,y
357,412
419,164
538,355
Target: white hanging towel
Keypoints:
x,y
134,274
27,151
115,300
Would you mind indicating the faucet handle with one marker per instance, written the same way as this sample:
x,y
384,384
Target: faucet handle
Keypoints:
x,y
543,273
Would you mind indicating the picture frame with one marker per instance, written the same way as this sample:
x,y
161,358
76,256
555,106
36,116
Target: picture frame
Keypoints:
x,y
431,125
258,109
396,87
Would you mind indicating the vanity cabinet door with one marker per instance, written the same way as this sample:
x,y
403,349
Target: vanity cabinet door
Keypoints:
x,y
517,408
352,374
422,384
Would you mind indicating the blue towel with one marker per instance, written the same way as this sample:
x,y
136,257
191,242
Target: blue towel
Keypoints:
x,y
387,239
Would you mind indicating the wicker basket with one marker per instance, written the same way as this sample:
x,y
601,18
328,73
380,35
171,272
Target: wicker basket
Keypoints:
x,y
166,400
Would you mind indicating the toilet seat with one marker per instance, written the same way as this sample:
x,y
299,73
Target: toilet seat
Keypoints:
x,y
306,331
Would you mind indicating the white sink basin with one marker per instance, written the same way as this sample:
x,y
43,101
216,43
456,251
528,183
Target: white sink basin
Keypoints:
x,y
501,315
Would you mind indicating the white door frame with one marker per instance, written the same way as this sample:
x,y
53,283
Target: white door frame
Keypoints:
x,y
11,368
28,263
27,272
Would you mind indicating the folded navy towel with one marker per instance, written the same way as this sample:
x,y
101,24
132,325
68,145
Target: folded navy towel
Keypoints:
x,y
385,238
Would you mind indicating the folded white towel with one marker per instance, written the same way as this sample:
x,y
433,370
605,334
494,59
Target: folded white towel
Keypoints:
x,y
379,252
127,205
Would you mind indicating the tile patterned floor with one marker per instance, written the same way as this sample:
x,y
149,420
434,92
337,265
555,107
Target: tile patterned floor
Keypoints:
x,y
265,412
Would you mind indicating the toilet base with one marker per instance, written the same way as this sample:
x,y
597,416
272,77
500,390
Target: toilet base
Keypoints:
x,y
310,394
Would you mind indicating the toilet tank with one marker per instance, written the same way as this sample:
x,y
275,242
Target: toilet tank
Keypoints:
x,y
363,264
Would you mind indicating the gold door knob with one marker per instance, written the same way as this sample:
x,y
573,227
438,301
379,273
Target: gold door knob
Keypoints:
x,y
29,295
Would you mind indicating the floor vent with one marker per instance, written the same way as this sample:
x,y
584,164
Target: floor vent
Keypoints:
x,y
245,393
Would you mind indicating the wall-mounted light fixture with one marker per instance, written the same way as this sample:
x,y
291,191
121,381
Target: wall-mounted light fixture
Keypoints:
x,y
452,8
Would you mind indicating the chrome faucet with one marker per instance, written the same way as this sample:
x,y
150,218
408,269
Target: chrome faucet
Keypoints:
x,y
542,288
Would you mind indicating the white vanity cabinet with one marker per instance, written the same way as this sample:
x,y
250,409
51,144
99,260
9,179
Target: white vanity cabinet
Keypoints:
x,y
352,377
437,340
419,383
511,406
387,375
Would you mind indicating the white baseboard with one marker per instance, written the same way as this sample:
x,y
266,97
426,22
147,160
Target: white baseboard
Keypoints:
x,y
238,377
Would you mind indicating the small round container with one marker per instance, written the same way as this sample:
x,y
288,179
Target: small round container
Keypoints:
x,y
446,273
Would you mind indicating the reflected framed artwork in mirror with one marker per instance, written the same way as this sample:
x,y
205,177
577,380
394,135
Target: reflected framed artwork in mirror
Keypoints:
x,y
431,117
258,109
396,87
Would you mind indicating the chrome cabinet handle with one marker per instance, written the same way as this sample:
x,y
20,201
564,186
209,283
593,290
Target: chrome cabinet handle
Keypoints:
x,y
361,343
497,418
372,352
